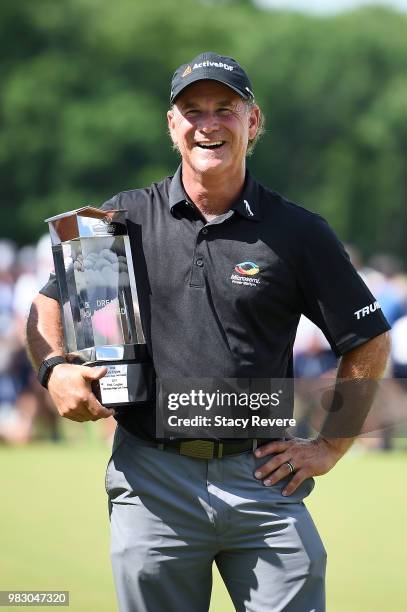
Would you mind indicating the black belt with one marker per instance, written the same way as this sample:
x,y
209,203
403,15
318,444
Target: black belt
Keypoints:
x,y
212,449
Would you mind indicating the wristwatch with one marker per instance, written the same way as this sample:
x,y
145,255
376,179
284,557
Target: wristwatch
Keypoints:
x,y
46,368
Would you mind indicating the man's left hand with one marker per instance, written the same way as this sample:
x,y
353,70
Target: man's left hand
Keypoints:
x,y
307,457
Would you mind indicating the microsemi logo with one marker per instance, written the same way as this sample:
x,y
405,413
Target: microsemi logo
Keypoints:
x,y
247,268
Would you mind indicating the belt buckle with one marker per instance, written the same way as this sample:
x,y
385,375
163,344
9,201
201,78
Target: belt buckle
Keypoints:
x,y
200,449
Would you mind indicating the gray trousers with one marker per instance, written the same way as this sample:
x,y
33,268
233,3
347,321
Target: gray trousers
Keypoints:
x,y
171,516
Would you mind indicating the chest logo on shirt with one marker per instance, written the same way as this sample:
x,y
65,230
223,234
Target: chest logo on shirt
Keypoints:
x,y
247,268
244,274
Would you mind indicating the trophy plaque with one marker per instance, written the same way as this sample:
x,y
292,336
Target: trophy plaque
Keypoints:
x,y
99,302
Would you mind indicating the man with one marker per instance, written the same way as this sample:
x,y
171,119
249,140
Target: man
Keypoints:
x,y
177,506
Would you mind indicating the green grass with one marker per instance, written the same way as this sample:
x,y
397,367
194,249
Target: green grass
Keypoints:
x,y
54,528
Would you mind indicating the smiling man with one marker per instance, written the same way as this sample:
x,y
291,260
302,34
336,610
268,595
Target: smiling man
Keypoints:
x,y
225,267
211,125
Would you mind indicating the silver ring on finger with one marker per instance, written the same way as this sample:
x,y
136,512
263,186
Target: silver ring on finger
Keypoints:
x,y
290,465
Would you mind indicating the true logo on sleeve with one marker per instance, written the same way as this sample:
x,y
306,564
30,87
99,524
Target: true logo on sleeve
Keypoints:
x,y
366,310
245,273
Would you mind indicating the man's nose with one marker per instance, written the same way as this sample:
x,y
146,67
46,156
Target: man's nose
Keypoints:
x,y
209,122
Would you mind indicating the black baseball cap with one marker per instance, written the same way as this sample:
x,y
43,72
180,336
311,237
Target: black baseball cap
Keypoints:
x,y
213,67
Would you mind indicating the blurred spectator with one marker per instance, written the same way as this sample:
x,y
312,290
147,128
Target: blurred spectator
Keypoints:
x,y
312,353
26,285
399,348
385,280
23,402
389,292
7,261
313,357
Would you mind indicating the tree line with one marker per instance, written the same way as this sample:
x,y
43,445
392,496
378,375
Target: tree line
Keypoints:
x,y
85,90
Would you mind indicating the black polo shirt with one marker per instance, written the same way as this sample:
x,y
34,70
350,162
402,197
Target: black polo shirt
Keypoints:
x,y
223,299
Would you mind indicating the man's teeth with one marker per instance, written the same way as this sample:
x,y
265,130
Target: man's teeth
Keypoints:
x,y
210,145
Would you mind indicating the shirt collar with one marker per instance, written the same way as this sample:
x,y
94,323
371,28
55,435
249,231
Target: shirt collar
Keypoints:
x,y
176,193
247,205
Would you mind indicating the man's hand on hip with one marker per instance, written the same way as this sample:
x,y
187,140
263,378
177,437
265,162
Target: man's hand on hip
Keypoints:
x,y
70,388
307,458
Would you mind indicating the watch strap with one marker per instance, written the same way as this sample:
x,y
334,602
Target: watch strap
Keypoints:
x,y
46,368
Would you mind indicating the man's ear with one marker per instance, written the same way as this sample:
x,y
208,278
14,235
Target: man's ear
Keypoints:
x,y
171,127
254,122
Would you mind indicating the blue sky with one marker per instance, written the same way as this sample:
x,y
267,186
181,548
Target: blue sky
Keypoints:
x,y
328,6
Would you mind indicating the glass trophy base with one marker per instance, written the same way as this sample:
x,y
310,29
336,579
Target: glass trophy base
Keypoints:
x,y
130,378
125,383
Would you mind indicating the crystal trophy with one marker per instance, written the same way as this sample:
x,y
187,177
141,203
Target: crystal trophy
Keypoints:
x,y
99,302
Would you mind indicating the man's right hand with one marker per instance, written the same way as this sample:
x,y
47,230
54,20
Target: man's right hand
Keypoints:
x,y
70,388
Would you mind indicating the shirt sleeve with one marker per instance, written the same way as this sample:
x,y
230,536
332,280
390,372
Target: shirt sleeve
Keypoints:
x,y
334,296
50,289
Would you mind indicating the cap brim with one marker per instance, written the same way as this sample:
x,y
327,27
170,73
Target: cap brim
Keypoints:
x,y
208,78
